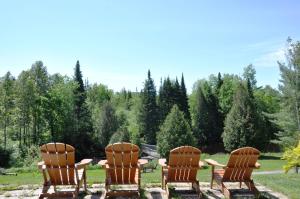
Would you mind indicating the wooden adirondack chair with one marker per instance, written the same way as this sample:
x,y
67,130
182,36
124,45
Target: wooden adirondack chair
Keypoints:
x,y
182,167
238,169
122,168
59,163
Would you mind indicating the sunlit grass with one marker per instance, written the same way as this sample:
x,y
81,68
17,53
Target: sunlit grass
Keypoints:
x,y
269,162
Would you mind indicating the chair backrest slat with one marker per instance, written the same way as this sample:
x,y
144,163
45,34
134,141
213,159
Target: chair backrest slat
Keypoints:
x,y
241,164
122,159
59,159
183,164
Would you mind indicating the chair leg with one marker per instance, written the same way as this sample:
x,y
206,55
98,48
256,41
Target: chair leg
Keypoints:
x,y
241,184
84,181
252,187
212,177
196,187
162,178
225,191
167,191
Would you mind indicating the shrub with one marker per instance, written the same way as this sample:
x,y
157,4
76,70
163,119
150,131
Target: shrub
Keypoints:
x,y
5,157
174,132
292,156
120,136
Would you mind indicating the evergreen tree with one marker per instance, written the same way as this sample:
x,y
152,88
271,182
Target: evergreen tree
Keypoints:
x,y
165,99
148,114
83,125
201,123
289,117
174,132
176,93
249,75
241,124
207,119
219,83
80,94
184,103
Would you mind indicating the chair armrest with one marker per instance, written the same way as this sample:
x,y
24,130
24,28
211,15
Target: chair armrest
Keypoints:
x,y
83,163
102,163
141,162
162,162
41,165
257,165
214,163
201,164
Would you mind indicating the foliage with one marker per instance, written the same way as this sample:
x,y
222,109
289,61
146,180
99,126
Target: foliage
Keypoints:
x,y
249,75
107,124
267,99
289,117
207,125
82,138
183,101
171,93
5,156
120,136
292,155
241,124
148,113
6,103
174,132
227,91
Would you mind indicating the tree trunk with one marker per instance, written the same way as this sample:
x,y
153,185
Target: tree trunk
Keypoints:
x,y
5,136
20,137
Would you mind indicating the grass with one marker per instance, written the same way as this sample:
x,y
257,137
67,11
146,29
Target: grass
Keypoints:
x,y
288,184
285,183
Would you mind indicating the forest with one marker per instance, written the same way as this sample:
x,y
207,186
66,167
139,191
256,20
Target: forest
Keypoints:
x,y
223,112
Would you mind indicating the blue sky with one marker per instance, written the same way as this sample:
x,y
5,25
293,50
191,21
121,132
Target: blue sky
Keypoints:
x,y
116,42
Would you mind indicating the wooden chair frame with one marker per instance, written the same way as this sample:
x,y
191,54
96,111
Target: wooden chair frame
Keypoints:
x,y
238,169
59,165
122,167
184,162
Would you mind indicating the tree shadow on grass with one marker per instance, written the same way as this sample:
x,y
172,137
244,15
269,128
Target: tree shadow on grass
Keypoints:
x,y
269,157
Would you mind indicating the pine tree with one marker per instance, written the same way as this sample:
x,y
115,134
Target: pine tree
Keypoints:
x,y
184,101
80,94
176,93
241,124
201,124
219,81
83,125
289,117
165,99
148,114
207,118
249,75
174,132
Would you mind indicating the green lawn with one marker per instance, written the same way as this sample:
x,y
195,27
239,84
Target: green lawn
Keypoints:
x,y
288,184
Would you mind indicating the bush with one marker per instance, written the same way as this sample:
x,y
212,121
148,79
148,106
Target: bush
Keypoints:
x,y
174,132
5,157
292,156
27,157
120,136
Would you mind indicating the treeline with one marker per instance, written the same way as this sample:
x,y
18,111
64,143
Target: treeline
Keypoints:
x,y
225,111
